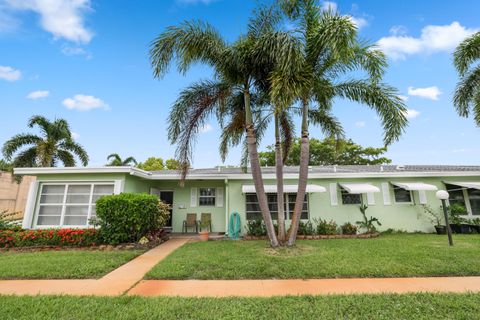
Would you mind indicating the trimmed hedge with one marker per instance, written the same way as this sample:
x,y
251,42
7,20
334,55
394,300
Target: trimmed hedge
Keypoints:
x,y
127,217
48,237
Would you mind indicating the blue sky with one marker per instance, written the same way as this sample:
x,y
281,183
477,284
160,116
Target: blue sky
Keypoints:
x,y
87,62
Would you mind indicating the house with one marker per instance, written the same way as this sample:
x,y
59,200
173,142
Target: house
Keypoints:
x,y
65,197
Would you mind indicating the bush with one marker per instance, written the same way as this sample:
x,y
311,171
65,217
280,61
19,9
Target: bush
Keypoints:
x,y
48,237
325,227
348,228
306,228
127,217
256,228
455,211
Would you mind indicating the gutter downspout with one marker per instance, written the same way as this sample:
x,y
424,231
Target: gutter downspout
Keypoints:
x,y
227,206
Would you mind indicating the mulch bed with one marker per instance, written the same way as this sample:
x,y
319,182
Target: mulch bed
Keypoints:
x,y
103,247
322,237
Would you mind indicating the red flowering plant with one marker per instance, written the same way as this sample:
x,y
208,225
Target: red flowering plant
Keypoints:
x,y
48,237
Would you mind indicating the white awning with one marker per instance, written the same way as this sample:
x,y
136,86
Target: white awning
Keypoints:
x,y
415,186
471,185
357,188
288,188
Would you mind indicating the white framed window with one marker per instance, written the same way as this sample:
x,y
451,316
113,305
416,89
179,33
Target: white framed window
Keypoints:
x,y
253,212
69,204
467,197
402,195
350,198
206,197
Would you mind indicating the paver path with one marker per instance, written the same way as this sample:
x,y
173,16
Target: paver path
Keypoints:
x,y
114,283
270,288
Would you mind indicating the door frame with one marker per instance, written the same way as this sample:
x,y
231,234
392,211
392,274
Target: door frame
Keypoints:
x,y
159,194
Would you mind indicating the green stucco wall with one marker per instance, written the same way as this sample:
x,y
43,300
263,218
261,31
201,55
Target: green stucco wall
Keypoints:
x,y
406,217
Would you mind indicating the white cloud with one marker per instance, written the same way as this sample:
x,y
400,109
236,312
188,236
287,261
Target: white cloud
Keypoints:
x,y
360,124
431,93
75,135
404,98
38,94
359,22
63,18
329,6
193,2
432,39
9,73
411,114
398,30
206,128
83,102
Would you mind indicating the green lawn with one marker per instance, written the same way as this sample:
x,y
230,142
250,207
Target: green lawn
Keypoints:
x,y
387,256
414,306
71,264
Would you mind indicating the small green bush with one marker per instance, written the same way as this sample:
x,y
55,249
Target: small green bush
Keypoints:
x,y
256,228
127,217
306,228
325,227
455,211
348,228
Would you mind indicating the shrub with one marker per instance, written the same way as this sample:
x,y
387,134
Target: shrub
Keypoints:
x,y
48,237
326,227
306,228
127,217
368,224
256,228
455,211
348,228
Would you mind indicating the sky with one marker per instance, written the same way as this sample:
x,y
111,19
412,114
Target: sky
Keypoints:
x,y
87,61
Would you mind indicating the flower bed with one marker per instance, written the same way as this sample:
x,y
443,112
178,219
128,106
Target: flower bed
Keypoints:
x,y
48,237
321,237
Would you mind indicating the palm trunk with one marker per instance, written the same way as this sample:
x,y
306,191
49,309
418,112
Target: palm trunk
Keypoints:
x,y
279,174
257,171
302,176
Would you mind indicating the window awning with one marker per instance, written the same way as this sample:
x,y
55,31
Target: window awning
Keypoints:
x,y
357,188
415,186
288,188
471,185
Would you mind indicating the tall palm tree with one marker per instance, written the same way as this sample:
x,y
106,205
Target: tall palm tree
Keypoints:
x,y
55,144
331,50
117,161
467,93
236,71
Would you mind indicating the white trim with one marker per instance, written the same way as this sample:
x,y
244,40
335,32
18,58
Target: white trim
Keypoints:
x,y
240,176
370,198
359,188
193,197
30,206
333,194
219,197
386,194
422,196
415,186
288,188
118,186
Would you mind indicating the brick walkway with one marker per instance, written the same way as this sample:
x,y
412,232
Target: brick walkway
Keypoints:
x,y
128,279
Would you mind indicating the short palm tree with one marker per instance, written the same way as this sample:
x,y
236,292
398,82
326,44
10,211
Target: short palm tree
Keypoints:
x,y
330,51
55,144
467,93
117,161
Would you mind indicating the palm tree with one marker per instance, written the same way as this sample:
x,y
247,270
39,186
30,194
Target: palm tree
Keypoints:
x,y
117,161
54,145
467,93
330,51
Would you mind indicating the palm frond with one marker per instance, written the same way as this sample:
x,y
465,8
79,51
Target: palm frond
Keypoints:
x,y
467,53
77,149
26,158
466,93
66,158
328,123
19,141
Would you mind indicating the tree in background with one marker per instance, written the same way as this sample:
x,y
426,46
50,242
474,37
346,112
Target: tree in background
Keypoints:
x,y
467,93
157,164
54,144
5,166
117,161
329,152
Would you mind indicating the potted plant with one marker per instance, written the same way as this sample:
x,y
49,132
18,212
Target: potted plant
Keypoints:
x,y
435,219
204,232
457,223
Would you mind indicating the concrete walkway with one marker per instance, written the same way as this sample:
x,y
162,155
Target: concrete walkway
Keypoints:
x,y
114,283
270,288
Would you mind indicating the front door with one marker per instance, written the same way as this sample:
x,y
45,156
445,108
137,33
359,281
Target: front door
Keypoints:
x,y
167,197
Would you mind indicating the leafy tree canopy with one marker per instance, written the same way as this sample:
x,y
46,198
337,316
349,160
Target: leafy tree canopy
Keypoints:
x,y
117,161
156,164
329,152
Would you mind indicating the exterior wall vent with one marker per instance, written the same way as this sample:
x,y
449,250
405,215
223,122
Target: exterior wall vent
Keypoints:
x,y
400,168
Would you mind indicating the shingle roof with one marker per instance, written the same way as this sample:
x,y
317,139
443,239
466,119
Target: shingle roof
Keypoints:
x,y
335,169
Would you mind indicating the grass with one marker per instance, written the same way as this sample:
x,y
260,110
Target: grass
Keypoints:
x,y
397,255
411,306
69,264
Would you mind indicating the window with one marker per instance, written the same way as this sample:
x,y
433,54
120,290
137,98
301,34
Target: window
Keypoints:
x,y
474,197
402,195
253,208
207,197
350,198
70,204
456,195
